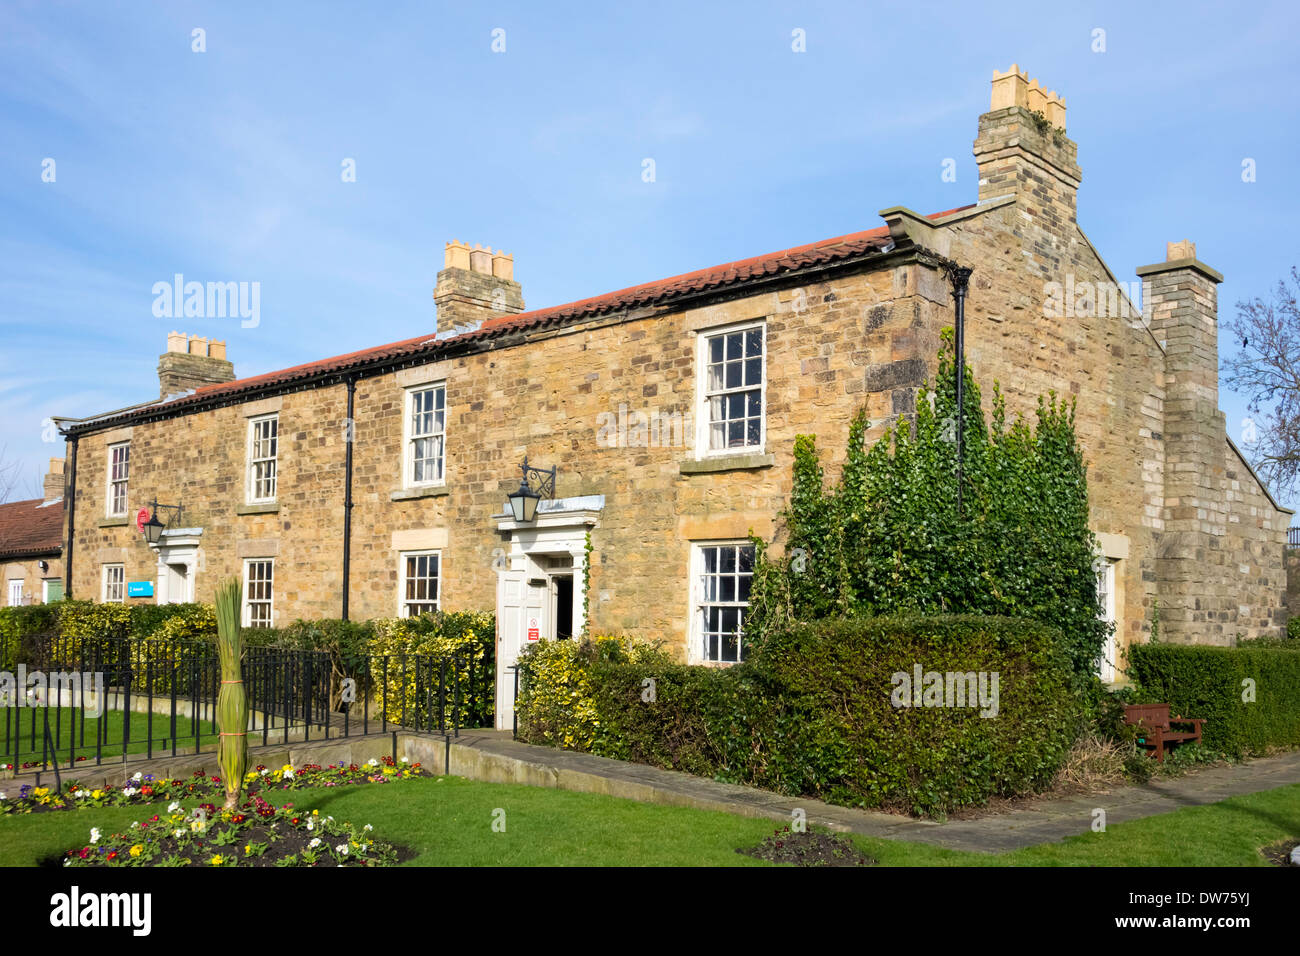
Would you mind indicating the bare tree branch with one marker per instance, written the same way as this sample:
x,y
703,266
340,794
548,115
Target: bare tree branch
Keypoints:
x,y
1267,371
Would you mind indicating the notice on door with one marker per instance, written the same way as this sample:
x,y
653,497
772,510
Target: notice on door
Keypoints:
x,y
534,632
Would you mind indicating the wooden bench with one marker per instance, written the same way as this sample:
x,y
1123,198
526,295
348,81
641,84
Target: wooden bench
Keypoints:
x,y
1156,727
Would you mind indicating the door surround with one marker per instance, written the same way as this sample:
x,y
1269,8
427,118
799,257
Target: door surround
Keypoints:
x,y
524,581
179,548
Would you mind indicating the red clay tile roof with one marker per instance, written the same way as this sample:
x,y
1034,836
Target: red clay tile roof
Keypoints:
x,y
661,292
30,528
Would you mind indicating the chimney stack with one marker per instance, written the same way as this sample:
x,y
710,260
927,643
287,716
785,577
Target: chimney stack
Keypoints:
x,y
1022,150
1180,304
54,480
474,285
191,362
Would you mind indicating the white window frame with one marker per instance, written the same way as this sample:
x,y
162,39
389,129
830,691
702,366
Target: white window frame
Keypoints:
x,y
45,588
246,612
409,438
107,586
699,603
403,603
1107,666
702,412
110,481
13,592
253,460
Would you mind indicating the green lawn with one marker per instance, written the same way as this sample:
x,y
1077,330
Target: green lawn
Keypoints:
x,y
67,729
449,821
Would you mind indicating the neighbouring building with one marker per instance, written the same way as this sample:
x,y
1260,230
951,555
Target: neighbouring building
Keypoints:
x,y
374,484
31,544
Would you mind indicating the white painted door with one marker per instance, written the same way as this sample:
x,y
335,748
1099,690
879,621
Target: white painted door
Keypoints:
x,y
1106,597
520,622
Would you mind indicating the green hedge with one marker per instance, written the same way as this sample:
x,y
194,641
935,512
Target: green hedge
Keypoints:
x,y
812,711
1210,682
156,627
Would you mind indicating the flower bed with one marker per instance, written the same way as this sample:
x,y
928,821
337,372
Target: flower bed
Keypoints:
x,y
145,788
257,834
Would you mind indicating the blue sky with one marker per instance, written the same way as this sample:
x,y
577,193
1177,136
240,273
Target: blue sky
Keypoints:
x,y
225,165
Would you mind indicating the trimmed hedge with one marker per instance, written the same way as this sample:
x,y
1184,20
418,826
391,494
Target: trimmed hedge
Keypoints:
x,y
156,628
812,712
1209,682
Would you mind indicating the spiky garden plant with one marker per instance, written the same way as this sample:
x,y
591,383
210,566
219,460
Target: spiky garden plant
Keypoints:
x,y
232,702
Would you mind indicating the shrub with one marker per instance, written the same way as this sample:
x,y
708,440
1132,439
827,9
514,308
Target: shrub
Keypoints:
x,y
154,632
1216,683
466,640
812,711
1293,628
22,628
887,538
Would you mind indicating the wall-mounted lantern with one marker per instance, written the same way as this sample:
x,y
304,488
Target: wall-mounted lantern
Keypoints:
x,y
524,501
153,528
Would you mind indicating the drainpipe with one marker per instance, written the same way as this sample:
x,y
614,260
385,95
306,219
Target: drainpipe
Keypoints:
x,y
960,278
349,434
70,503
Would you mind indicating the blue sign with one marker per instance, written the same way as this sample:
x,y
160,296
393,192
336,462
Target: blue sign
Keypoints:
x,y
139,589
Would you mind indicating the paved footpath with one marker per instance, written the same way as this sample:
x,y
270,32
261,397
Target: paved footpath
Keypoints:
x,y
1041,821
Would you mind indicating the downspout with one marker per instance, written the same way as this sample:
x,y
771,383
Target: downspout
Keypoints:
x,y
70,503
349,434
960,278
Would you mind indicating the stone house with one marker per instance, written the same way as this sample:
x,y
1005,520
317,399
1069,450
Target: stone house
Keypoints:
x,y
374,484
31,544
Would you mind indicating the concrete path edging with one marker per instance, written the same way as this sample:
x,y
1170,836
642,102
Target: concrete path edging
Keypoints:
x,y
494,757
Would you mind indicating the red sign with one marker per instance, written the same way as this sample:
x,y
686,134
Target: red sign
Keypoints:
x,y
141,518
534,633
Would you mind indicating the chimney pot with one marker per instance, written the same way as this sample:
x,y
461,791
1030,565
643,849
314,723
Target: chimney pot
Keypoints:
x,y
477,284
190,362
503,266
1186,249
456,255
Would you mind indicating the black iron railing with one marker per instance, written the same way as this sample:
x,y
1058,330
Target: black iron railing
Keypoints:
x,y
1293,537
82,701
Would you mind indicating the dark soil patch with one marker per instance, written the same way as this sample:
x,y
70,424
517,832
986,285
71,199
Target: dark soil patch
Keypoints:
x,y
810,848
1279,854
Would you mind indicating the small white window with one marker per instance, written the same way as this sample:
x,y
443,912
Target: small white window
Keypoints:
x,y
259,592
723,574
263,448
426,434
733,382
1105,568
418,592
114,589
15,592
119,471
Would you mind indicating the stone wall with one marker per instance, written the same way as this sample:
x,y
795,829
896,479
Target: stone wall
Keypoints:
x,y
32,577
830,348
